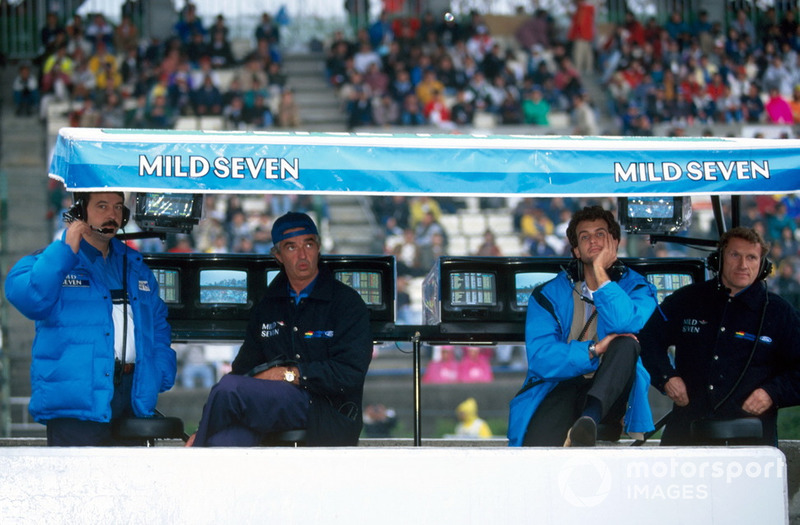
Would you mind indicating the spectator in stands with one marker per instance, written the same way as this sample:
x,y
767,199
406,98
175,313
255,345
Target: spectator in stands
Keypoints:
x,y
379,421
785,283
207,98
52,35
57,73
26,91
592,308
470,426
189,24
288,112
752,105
581,34
319,385
584,118
442,368
267,29
760,371
386,112
126,35
488,247
99,30
84,378
462,111
778,109
474,366
535,108
411,111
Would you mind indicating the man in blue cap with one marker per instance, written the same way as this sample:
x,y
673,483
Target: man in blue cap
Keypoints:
x,y
304,357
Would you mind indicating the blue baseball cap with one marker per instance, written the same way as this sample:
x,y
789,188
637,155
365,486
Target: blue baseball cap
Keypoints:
x,y
300,222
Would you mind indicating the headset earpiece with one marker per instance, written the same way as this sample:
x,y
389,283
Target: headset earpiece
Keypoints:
x,y
78,210
574,270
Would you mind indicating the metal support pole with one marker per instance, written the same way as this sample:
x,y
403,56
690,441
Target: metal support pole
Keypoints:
x,y
417,411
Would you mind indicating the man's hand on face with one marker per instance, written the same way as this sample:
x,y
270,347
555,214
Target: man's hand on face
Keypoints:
x,y
76,231
605,258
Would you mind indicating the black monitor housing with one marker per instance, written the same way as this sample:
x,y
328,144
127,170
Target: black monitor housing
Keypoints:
x,y
168,212
485,299
660,215
209,296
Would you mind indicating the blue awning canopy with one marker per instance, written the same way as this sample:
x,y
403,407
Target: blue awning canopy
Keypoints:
x,y
90,159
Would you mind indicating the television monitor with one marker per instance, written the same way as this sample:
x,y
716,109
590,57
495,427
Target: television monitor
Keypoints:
x,y
473,288
525,282
210,296
168,212
168,280
368,284
223,286
451,297
655,214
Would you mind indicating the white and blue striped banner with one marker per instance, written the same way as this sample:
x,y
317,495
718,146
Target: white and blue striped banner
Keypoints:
x,y
456,165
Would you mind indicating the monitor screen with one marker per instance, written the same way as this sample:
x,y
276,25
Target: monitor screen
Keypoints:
x,y
223,286
651,208
525,282
666,283
367,284
272,274
168,285
168,205
473,289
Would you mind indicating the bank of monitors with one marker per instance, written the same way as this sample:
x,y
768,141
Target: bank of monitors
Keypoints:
x,y
209,296
486,298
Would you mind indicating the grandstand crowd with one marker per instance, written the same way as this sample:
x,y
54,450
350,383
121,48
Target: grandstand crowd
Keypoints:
x,y
442,71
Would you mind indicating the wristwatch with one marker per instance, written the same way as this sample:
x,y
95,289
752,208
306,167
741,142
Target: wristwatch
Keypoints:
x,y
592,350
289,376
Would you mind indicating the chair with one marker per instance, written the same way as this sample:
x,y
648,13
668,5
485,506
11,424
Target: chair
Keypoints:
x,y
737,431
287,438
149,429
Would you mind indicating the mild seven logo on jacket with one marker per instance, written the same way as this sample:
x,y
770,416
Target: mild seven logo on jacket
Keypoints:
x,y
76,280
271,329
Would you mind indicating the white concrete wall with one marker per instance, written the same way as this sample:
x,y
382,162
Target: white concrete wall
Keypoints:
x,y
392,485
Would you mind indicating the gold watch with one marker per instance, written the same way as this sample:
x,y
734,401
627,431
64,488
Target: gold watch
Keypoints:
x,y
289,376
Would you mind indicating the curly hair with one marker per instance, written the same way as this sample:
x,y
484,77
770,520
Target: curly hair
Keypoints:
x,y
592,213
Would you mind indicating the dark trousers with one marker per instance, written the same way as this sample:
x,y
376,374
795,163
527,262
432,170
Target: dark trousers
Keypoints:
x,y
611,385
69,432
241,409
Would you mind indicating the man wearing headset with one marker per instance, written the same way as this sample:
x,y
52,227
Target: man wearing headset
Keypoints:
x,y
99,353
583,362
736,345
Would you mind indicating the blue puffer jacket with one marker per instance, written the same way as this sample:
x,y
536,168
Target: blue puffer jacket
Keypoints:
x,y
72,371
622,307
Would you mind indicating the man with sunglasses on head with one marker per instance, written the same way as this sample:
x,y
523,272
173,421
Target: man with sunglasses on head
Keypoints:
x,y
304,357
102,347
736,345
583,355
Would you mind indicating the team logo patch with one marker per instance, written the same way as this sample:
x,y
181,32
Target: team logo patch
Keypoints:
x,y
76,280
271,329
144,286
692,326
318,334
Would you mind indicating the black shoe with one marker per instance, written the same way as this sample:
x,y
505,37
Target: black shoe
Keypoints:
x,y
582,434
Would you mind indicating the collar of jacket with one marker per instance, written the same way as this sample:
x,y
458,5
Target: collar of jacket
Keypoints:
x,y
323,289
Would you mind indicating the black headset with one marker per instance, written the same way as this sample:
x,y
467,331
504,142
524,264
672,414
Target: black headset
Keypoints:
x,y
575,272
78,210
714,261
